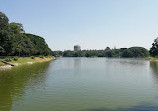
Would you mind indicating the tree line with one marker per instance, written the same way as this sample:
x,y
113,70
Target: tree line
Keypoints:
x,y
136,52
132,52
15,42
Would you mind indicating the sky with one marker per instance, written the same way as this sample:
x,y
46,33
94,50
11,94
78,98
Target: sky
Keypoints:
x,y
92,24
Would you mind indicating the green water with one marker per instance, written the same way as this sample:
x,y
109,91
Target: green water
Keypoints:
x,y
81,84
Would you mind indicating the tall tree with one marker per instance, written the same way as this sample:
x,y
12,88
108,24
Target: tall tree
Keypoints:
x,y
3,21
14,40
154,49
16,30
5,37
40,47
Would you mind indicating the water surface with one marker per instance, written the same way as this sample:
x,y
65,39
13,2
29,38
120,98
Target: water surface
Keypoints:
x,y
81,84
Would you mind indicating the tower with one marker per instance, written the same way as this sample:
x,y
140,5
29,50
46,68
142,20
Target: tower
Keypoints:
x,y
77,48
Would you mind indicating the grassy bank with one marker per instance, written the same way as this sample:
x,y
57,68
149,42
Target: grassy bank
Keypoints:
x,y
151,59
1,63
26,60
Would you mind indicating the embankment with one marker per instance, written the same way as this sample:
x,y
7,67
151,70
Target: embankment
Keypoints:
x,y
22,61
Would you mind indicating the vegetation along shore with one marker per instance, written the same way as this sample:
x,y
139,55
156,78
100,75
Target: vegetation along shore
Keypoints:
x,y
9,62
19,47
152,59
14,41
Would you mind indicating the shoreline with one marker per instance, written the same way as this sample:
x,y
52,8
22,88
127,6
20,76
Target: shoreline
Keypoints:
x,y
151,59
23,61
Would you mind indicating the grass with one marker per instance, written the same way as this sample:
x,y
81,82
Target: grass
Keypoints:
x,y
28,59
152,59
1,63
36,59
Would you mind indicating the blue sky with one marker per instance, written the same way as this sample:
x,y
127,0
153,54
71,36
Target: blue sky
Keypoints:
x,y
92,24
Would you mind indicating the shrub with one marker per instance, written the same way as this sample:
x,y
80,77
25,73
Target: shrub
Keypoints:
x,y
8,59
48,56
41,56
16,58
32,57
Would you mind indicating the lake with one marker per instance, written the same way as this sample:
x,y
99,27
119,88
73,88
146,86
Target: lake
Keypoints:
x,y
81,84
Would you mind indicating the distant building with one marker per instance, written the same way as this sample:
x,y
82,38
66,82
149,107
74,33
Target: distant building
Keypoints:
x,y
77,48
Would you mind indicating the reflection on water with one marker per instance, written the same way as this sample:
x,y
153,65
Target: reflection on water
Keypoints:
x,y
81,84
14,82
154,67
144,107
77,62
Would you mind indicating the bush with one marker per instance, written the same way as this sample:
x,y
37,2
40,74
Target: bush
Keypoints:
x,y
41,56
8,59
48,56
16,58
32,57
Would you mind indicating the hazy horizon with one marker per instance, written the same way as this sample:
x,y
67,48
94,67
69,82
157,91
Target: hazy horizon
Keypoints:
x,y
92,24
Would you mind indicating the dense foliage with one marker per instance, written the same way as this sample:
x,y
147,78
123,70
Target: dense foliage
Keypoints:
x,y
122,52
39,45
135,52
154,49
14,41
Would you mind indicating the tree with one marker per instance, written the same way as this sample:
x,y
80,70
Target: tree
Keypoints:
x,y
1,50
40,47
154,49
127,53
14,40
21,45
135,52
5,37
3,21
